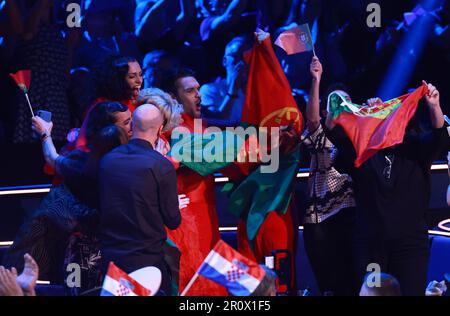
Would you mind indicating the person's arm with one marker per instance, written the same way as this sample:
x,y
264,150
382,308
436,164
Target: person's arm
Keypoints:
x,y
44,129
229,18
433,143
148,24
184,19
168,197
432,100
313,109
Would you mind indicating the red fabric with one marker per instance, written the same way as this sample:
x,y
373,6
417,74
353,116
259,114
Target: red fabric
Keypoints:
x,y
370,134
199,229
22,79
269,101
278,231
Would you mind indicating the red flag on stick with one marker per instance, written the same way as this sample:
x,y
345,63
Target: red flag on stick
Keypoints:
x,y
23,79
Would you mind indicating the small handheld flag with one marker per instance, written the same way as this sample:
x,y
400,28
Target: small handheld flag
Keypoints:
x,y
227,267
118,283
296,40
23,79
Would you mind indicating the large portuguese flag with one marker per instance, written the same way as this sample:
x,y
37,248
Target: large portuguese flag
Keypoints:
x,y
371,128
268,103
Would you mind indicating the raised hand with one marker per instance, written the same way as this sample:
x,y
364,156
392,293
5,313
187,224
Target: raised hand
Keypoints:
x,y
8,283
40,126
316,68
261,35
28,278
432,97
183,201
374,102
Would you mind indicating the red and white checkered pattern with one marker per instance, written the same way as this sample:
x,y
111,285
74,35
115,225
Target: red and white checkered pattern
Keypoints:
x,y
122,290
235,273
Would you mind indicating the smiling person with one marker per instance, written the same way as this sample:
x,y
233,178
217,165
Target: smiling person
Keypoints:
x,y
118,78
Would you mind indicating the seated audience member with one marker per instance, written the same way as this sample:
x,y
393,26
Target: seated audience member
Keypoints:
x,y
388,286
154,65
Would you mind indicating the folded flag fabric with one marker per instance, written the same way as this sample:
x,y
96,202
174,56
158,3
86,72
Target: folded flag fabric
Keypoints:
x,y
224,265
372,128
22,79
296,40
119,283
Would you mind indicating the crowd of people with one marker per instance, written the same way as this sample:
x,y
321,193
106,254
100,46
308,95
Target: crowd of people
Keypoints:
x,y
119,195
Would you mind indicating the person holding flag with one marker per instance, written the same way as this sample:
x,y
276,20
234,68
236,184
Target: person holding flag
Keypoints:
x,y
263,201
330,215
381,146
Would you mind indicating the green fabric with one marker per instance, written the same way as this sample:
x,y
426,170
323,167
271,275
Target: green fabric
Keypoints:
x,y
206,153
338,105
261,193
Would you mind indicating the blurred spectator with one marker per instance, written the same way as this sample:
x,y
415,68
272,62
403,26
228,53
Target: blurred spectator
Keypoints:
x,y
388,286
163,22
106,32
80,94
224,98
221,21
42,49
155,64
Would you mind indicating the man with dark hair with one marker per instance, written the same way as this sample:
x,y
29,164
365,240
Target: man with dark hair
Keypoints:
x,y
199,230
138,197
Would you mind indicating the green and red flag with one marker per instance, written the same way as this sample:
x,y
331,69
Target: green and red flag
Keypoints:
x,y
296,40
372,128
268,103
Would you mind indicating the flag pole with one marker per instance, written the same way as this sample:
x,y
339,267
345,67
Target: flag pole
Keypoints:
x,y
191,282
314,51
29,104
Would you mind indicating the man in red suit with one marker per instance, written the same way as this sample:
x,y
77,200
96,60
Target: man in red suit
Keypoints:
x,y
199,229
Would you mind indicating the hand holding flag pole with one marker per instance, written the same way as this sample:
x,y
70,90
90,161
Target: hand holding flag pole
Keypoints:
x,y
23,79
296,40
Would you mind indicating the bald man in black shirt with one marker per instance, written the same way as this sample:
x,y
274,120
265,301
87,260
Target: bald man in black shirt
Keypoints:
x,y
138,197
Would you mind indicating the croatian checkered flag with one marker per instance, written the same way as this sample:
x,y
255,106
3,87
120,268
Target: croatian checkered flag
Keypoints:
x,y
224,265
119,283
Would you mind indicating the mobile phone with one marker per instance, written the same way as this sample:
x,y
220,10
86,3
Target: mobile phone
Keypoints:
x,y
46,116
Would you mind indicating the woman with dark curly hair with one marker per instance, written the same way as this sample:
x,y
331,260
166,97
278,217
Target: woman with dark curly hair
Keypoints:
x,y
118,78
65,223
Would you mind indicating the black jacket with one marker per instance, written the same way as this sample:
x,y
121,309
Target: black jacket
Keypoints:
x,y
138,196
